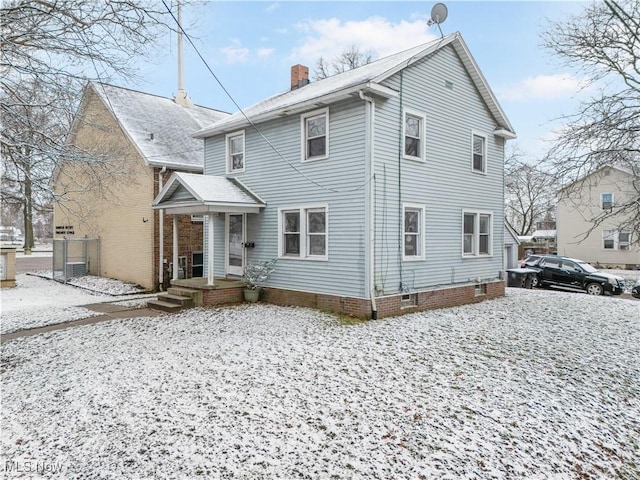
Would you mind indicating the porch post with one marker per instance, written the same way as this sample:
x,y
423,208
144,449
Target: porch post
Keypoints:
x,y
210,243
175,248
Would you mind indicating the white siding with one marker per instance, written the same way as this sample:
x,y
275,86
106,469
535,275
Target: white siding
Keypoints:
x,y
577,208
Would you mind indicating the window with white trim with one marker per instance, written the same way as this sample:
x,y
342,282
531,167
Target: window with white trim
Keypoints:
x,y
479,153
476,233
616,239
315,135
414,133
413,221
235,152
608,239
304,233
606,201
624,239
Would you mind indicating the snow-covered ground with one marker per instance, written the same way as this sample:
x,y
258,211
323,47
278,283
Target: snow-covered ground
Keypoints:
x,y
36,301
536,385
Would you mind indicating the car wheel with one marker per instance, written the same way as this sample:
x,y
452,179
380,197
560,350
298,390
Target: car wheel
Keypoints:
x,y
594,289
535,281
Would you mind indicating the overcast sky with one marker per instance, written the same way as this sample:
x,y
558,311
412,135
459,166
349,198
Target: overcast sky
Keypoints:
x,y
251,46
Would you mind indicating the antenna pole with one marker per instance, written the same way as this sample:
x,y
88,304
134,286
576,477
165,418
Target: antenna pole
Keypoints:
x,y
180,79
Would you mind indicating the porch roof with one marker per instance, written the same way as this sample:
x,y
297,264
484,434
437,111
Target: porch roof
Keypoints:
x,y
190,193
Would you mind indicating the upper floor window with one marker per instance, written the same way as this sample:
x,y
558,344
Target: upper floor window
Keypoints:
x,y
607,201
479,154
608,239
304,233
315,128
413,233
476,233
235,152
414,127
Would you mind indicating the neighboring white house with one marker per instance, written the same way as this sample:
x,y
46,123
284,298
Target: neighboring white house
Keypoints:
x,y
379,190
581,206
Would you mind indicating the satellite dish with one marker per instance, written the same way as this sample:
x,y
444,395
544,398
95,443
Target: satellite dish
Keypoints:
x,y
438,14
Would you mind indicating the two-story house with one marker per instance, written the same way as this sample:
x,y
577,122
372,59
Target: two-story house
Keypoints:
x,y
127,144
379,190
585,228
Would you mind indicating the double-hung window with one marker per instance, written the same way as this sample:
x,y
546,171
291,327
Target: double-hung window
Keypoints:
x,y
304,233
476,233
413,221
315,135
479,153
414,133
607,201
616,240
235,152
624,239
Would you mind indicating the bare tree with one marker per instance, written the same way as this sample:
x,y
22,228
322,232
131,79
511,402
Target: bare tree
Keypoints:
x,y
602,44
35,122
529,194
50,48
349,59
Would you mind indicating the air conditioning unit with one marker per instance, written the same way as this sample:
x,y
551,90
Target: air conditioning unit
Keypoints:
x,y
76,269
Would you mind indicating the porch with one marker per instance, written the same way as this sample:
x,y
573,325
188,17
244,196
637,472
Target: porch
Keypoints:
x,y
197,292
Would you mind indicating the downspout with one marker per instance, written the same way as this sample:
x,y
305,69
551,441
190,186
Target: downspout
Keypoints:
x,y
371,195
161,233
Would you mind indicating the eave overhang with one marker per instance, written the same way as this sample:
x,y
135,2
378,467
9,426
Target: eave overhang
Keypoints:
x,y
370,88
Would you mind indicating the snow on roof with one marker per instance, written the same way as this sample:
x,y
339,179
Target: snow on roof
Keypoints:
x,y
161,129
544,234
193,189
361,78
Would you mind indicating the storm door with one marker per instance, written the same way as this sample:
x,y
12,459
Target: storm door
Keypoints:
x,y
235,243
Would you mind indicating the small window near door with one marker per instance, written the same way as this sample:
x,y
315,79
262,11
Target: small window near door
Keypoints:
x,y
197,264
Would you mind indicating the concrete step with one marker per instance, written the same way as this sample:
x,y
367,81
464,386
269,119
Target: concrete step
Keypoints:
x,y
195,295
184,302
164,306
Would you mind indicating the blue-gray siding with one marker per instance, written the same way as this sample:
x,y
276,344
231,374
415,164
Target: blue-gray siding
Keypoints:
x,y
444,185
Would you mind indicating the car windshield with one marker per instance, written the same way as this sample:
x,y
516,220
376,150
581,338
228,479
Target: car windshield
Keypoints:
x,y
587,268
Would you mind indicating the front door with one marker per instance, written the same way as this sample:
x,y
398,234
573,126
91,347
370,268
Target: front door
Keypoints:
x,y
235,243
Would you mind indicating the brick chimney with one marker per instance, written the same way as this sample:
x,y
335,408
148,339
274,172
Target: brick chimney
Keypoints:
x,y
299,76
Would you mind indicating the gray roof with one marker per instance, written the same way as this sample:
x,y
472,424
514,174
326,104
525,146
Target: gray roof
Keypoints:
x,y
198,194
160,129
366,77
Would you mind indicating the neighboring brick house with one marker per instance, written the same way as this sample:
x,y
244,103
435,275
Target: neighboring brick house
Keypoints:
x,y
129,143
380,190
585,231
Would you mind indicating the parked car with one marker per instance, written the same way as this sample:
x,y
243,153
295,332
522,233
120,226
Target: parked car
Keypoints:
x,y
635,290
574,273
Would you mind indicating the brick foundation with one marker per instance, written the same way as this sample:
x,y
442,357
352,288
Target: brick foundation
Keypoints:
x,y
387,306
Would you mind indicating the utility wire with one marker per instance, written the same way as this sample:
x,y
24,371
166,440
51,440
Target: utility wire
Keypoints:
x,y
253,125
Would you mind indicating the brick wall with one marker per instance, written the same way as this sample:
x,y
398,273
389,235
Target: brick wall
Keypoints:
x,y
387,306
190,235
223,296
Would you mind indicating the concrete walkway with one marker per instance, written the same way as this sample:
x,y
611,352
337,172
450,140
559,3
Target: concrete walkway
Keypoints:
x,y
109,311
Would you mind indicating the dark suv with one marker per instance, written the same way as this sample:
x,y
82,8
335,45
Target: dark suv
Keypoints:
x,y
570,272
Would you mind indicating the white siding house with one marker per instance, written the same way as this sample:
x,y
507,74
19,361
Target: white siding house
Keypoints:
x,y
583,232
382,186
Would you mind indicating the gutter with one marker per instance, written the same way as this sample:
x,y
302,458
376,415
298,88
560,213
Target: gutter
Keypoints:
x,y
293,108
371,113
160,233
